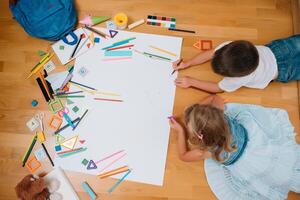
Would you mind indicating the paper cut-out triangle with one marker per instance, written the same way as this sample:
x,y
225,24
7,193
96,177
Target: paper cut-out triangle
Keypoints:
x,y
197,45
59,139
69,101
91,165
113,33
70,143
88,45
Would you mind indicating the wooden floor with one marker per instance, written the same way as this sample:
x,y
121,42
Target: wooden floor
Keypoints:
x,y
259,21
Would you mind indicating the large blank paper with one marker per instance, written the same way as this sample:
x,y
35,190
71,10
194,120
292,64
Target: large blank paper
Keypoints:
x,y
139,124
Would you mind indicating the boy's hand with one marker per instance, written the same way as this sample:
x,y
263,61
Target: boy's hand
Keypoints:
x,y
175,125
179,64
184,82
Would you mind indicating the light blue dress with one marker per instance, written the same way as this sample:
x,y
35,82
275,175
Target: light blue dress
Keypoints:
x,y
269,165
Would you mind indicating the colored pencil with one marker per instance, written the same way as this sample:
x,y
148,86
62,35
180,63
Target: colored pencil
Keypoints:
x,y
119,43
162,50
66,126
105,158
112,162
72,153
96,31
103,99
181,30
89,190
76,46
150,54
45,85
42,60
25,158
112,59
120,47
118,182
65,93
82,85
39,66
70,96
177,65
113,172
80,119
47,154
68,151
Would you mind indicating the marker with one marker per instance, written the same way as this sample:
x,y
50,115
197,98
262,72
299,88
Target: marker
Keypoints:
x,y
68,119
42,60
177,65
89,190
181,30
47,154
76,46
39,66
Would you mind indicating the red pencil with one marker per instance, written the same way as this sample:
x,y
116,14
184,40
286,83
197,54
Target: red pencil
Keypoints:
x,y
102,99
121,47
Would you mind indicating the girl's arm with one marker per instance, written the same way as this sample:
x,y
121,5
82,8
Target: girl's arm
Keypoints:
x,y
184,153
214,100
196,60
207,86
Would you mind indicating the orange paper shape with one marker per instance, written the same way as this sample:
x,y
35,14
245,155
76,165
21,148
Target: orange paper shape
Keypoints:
x,y
197,45
33,164
206,45
55,122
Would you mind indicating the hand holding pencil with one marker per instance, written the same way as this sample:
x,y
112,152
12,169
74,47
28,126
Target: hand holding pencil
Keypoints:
x,y
179,64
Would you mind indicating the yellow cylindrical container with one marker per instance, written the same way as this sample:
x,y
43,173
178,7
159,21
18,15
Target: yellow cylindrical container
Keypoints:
x,y
121,20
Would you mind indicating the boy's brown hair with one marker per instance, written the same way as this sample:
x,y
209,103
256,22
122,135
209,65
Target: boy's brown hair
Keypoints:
x,y
236,59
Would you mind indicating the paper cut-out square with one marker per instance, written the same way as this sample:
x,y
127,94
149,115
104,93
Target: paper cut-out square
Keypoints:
x,y
55,122
61,47
55,105
32,164
84,162
40,154
97,40
32,124
58,148
206,45
75,109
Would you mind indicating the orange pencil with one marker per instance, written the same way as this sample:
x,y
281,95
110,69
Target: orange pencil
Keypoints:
x,y
44,84
114,172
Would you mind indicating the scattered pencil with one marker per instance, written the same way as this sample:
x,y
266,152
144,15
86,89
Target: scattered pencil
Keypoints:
x,y
25,158
47,154
81,36
96,31
70,96
181,30
177,65
114,172
80,119
82,85
163,50
120,47
103,99
66,126
118,182
66,93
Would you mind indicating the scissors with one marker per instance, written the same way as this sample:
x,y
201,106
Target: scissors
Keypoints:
x,y
40,117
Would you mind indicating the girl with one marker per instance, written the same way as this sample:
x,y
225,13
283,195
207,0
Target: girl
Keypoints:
x,y
250,151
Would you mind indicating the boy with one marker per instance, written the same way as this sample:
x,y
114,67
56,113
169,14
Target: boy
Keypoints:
x,y
243,64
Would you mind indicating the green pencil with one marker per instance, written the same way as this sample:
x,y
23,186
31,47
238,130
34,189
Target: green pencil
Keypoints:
x,y
70,96
25,158
150,54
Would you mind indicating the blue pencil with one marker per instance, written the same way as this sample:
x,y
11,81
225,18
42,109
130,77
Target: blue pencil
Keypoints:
x,y
118,182
82,85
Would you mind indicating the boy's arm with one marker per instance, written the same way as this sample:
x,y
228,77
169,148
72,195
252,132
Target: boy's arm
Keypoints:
x,y
214,100
185,154
207,86
196,60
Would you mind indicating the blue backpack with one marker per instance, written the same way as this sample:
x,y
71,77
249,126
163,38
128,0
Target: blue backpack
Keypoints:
x,y
47,19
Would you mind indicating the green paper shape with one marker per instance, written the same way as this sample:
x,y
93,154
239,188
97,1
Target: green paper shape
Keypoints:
x,y
52,106
70,68
41,53
61,47
69,101
59,138
84,162
99,19
75,109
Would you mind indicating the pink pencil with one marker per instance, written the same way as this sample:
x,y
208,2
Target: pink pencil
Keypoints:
x,y
111,163
107,157
102,99
121,47
110,59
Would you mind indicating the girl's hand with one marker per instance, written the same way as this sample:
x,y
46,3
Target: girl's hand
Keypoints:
x,y
184,82
179,64
175,125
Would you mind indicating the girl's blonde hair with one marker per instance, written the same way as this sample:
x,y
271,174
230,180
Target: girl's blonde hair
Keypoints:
x,y
209,122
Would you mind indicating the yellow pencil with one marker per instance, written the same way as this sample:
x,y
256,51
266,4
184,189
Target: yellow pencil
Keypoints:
x,y
162,50
39,66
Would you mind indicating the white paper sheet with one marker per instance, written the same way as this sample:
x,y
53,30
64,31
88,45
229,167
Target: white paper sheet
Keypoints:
x,y
139,125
